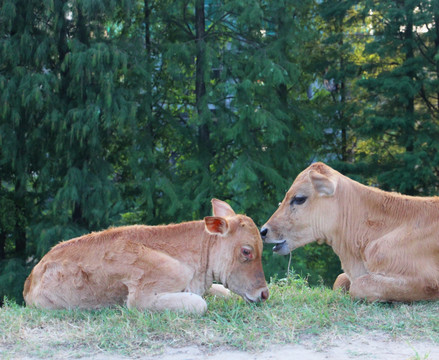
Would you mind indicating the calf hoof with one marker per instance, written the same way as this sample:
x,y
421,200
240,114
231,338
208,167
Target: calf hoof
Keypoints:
x,y
219,290
342,282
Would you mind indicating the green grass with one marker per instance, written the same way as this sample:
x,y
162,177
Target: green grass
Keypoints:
x,y
293,313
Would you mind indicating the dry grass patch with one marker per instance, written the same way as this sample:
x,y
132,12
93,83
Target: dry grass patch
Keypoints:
x,y
294,313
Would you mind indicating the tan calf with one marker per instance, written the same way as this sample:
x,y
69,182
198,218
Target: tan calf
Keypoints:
x,y
388,243
153,267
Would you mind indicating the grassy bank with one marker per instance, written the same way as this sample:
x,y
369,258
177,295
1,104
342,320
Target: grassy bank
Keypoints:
x,y
293,313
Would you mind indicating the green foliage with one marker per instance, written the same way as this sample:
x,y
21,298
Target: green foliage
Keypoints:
x,y
403,113
63,103
142,111
13,273
317,263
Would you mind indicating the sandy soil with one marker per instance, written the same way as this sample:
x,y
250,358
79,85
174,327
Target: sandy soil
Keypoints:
x,y
359,348
352,348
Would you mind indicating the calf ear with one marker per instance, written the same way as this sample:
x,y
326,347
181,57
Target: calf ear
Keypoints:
x,y
221,208
216,225
321,183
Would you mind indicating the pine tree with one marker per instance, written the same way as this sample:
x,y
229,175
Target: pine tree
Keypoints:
x,y
230,116
26,99
274,130
337,61
270,130
64,108
142,111
402,85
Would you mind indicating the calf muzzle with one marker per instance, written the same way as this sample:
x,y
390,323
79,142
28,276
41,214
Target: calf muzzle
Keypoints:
x,y
264,295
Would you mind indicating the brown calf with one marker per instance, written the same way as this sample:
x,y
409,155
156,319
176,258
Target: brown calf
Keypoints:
x,y
388,243
153,267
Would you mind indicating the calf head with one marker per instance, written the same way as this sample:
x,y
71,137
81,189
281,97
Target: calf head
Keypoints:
x,y
307,213
236,253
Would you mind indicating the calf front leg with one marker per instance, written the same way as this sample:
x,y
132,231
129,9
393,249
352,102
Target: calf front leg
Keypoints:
x,y
156,281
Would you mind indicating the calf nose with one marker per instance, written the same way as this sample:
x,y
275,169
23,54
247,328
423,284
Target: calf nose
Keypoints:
x,y
264,232
265,294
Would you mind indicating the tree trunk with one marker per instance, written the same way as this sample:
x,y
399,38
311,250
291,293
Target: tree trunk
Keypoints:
x,y
204,146
148,51
200,85
2,245
77,217
436,43
20,226
343,122
410,108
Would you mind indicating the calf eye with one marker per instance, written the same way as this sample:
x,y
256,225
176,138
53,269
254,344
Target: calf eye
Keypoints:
x,y
298,200
247,253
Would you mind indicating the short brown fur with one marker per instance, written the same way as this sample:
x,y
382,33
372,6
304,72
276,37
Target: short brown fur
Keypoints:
x,y
388,243
152,267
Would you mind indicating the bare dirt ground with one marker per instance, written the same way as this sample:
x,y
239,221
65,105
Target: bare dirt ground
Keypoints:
x,y
351,348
